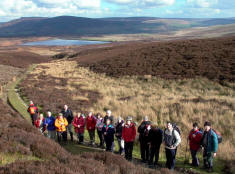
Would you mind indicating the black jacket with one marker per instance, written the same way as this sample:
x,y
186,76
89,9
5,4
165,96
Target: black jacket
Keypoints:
x,y
68,115
110,131
155,136
143,132
118,129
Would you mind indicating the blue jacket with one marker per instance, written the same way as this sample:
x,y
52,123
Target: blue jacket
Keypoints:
x,y
51,123
212,141
110,131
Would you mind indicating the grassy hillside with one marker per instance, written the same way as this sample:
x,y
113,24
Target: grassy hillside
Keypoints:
x,y
183,101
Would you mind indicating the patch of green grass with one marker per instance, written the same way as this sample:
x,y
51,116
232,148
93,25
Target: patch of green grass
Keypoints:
x,y
14,99
7,158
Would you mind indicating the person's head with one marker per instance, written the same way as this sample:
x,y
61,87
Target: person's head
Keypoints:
x,y
108,121
60,115
66,107
169,126
98,115
129,120
108,113
90,114
119,119
207,126
195,126
31,102
146,118
154,126
78,114
49,114
41,116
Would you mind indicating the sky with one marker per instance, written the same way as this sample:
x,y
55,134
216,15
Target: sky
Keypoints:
x,y
13,9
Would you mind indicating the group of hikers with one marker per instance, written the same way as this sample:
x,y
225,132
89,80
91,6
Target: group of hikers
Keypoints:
x,y
150,135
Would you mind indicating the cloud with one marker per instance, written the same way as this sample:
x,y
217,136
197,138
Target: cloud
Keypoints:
x,y
49,8
143,3
202,3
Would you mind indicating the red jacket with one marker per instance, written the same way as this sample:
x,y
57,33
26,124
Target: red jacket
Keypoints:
x,y
37,124
129,133
90,123
194,142
79,121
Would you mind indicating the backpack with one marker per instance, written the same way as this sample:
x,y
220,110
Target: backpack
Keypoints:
x,y
219,136
32,110
175,127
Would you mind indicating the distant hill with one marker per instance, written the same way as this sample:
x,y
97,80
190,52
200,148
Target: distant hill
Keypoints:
x,y
78,26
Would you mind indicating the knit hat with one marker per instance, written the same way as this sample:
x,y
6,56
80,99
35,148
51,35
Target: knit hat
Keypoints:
x,y
207,123
60,114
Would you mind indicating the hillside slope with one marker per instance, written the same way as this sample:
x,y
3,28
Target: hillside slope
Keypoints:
x,y
78,26
210,58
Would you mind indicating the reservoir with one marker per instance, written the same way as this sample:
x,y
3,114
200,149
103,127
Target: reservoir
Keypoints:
x,y
63,42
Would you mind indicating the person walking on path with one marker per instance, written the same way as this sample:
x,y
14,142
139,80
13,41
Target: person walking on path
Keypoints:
x,y
99,127
195,137
172,139
118,133
209,143
39,123
155,138
49,124
143,131
128,135
68,114
79,126
90,125
33,111
109,131
61,124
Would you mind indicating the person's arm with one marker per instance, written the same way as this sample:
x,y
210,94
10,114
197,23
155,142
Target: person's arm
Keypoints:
x,y
134,133
72,114
37,110
198,137
74,123
57,123
45,123
139,128
113,130
177,137
190,135
65,122
82,123
214,142
123,133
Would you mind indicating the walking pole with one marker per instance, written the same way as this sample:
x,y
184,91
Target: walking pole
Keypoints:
x,y
186,151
